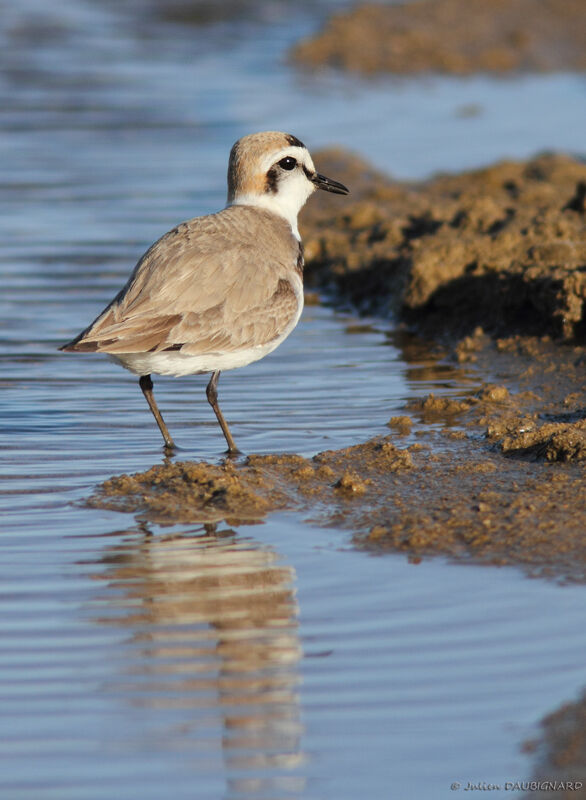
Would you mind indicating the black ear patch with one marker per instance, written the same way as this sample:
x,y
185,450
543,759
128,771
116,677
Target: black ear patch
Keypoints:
x,y
293,140
271,181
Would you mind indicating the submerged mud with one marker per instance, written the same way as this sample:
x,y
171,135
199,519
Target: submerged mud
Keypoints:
x,y
561,753
491,267
452,36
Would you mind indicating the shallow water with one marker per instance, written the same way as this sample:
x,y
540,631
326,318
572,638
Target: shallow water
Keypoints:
x,y
269,662
274,660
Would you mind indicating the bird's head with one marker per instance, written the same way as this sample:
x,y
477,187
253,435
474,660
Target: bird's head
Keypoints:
x,y
275,171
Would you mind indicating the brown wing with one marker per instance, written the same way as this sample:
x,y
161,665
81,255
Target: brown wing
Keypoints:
x,y
219,282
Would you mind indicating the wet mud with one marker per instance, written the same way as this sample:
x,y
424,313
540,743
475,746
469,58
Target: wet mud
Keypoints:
x,y
490,268
452,36
488,477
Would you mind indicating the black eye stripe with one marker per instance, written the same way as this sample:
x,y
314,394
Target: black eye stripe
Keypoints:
x,y
288,163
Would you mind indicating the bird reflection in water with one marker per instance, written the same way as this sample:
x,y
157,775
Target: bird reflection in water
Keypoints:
x,y
214,632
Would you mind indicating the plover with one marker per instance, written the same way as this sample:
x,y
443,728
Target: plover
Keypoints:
x,y
219,291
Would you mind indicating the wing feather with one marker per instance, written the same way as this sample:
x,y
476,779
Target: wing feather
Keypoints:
x,y
214,283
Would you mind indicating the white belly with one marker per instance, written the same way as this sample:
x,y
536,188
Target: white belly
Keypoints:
x,y
176,363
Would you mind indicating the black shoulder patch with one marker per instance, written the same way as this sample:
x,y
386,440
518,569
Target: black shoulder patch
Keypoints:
x,y
271,181
300,259
294,141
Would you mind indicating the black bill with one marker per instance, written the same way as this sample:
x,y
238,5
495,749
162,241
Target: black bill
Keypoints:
x,y
329,185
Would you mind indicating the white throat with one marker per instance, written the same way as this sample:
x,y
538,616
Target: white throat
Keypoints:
x,y
286,202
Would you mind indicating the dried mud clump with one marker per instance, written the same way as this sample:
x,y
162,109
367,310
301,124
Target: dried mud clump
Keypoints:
x,y
503,248
554,441
432,408
452,36
189,491
401,424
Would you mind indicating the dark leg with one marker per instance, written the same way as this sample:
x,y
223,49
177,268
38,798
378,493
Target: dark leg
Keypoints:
x,y
212,395
146,385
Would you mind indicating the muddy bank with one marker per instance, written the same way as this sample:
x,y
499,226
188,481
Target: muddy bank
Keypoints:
x,y
502,247
452,36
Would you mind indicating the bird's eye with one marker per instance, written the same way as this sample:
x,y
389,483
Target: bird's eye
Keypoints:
x,y
288,163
